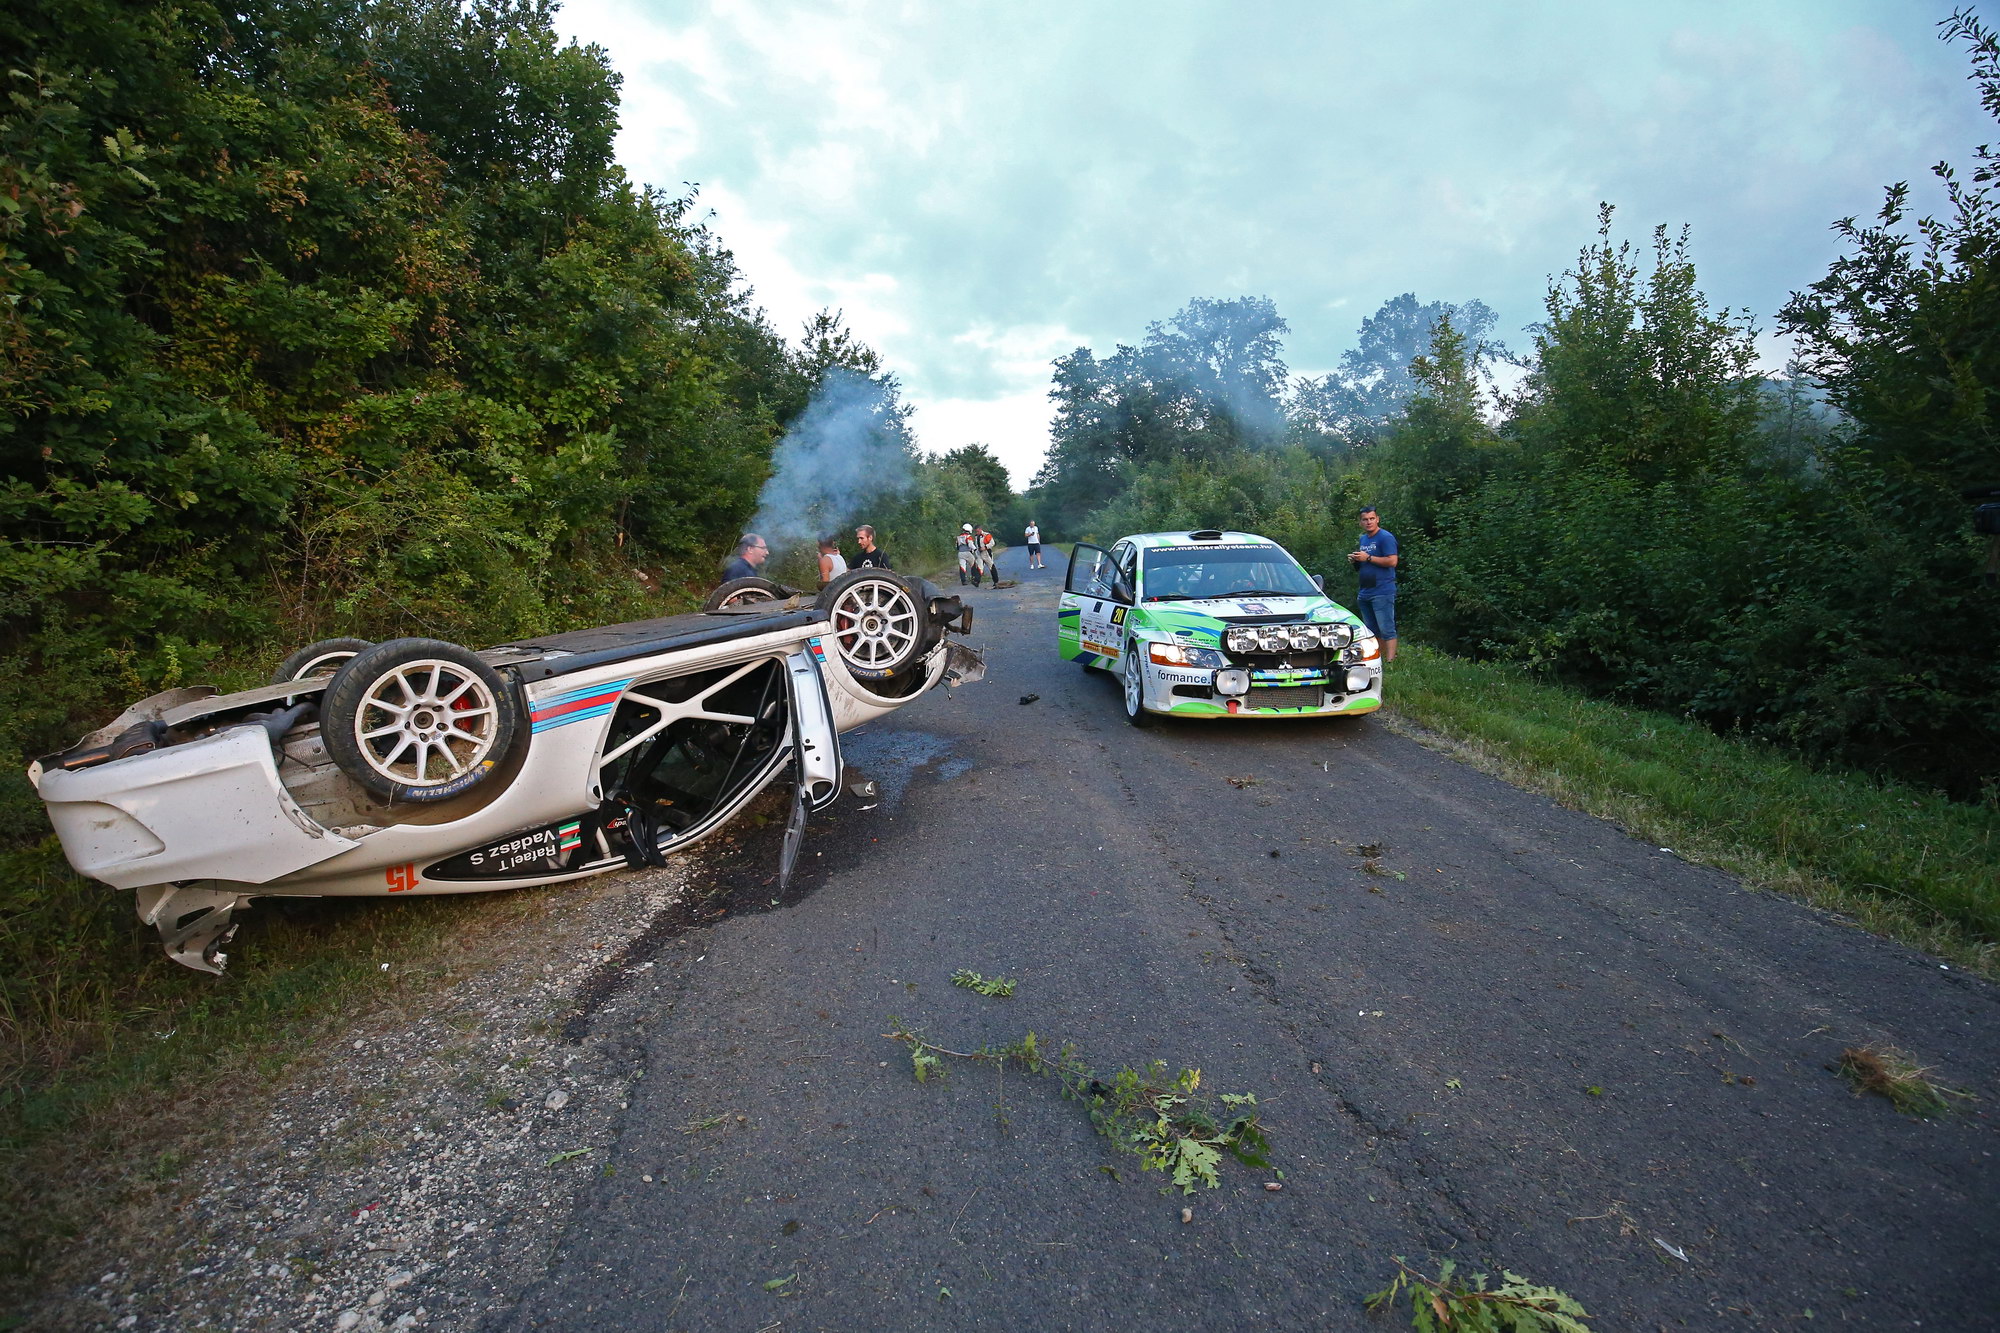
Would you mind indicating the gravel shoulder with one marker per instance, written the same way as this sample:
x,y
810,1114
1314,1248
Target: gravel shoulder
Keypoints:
x,y
413,1171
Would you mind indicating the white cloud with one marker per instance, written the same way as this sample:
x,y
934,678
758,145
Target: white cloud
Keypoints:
x,y
982,187
1014,425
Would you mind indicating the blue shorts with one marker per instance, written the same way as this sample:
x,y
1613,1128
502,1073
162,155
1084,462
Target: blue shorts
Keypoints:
x,y
1378,614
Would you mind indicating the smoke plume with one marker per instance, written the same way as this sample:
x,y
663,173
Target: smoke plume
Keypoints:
x,y
845,452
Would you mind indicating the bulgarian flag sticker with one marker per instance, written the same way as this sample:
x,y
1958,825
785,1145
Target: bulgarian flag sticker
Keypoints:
x,y
569,835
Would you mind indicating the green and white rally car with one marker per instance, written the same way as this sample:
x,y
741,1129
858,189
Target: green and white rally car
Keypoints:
x,y
1215,624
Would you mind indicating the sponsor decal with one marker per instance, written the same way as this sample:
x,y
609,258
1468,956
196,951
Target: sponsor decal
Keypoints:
x,y
1253,608
1306,676
1118,615
818,650
1183,677
1101,649
551,849
559,710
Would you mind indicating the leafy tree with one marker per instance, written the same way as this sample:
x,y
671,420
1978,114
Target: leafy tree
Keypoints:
x,y
827,342
1639,374
1901,330
1357,403
338,318
988,478
1218,367
1797,428
1204,383
1091,436
1441,446
1901,333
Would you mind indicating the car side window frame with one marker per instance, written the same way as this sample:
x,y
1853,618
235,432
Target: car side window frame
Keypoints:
x,y
1093,586
1125,575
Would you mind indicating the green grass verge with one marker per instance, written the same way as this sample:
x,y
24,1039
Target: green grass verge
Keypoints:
x,y
112,1057
1899,860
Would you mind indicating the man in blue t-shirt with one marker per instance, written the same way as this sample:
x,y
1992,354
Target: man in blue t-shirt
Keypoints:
x,y
1375,562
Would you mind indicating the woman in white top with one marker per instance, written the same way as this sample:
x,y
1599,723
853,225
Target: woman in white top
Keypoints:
x,y
832,564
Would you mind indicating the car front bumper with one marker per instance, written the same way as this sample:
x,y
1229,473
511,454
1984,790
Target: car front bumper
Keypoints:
x,y
1194,691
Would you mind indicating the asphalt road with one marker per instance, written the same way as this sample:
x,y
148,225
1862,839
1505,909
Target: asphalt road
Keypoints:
x,y
1511,1034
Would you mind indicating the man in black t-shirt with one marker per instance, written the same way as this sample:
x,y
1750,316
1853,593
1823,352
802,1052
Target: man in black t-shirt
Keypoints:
x,y
871,554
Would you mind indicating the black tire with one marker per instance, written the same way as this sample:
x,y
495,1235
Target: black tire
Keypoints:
x,y
1131,687
416,692
744,592
318,659
880,624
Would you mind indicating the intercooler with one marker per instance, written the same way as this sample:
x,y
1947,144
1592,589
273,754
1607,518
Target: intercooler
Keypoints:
x,y
1285,696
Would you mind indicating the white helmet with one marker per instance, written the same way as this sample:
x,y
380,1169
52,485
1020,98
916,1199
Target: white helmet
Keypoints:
x,y
968,527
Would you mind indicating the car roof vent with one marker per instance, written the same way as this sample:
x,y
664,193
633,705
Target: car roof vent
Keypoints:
x,y
1206,535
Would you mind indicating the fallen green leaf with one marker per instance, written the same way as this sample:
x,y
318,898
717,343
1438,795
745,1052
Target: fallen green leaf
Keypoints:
x,y
999,987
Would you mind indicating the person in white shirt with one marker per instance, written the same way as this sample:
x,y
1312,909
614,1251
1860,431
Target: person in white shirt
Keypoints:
x,y
832,564
1034,536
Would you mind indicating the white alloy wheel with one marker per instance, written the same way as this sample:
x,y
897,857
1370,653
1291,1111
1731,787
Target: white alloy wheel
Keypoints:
x,y
877,625
426,724
1132,676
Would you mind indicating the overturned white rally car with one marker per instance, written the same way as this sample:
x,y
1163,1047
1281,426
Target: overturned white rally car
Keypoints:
x,y
418,766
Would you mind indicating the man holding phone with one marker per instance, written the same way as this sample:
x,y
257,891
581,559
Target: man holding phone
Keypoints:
x,y
1374,560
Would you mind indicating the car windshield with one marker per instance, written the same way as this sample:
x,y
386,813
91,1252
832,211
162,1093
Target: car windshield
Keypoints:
x,y
1188,573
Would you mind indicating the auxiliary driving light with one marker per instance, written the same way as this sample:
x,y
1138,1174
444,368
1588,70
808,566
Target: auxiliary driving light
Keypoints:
x,y
1233,681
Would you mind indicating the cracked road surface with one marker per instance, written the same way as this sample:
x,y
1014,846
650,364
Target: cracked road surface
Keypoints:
x,y
1479,1025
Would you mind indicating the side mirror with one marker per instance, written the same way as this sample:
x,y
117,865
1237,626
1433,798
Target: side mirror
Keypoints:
x,y
1319,581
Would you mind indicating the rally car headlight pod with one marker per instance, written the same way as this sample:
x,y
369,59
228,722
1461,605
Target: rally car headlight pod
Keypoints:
x,y
1169,653
1286,638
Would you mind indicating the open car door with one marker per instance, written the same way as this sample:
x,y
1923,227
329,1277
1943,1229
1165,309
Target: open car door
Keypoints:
x,y
815,738
1090,625
815,754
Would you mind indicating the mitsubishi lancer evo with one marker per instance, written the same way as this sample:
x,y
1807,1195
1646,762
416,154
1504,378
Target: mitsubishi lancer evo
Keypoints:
x,y
1215,624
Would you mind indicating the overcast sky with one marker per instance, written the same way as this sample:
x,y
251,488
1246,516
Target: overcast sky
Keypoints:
x,y
983,186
